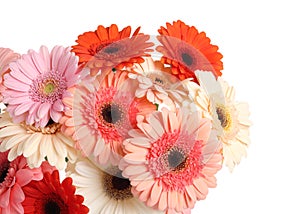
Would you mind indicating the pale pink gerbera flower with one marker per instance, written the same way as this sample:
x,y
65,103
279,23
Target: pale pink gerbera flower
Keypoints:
x,y
104,113
37,84
171,160
36,144
6,56
13,176
157,84
230,118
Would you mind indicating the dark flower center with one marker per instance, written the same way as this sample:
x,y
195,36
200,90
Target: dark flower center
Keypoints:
x,y
224,117
176,159
3,171
51,207
111,49
120,183
116,186
187,59
111,113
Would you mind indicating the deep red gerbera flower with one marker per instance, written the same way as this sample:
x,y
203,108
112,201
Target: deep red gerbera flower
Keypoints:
x,y
187,50
49,196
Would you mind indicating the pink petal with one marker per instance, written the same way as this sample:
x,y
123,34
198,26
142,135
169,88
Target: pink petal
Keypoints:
x,y
43,110
4,198
58,105
55,116
23,176
17,194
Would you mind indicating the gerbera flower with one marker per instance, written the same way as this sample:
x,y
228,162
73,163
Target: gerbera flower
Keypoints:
x,y
105,191
230,118
108,48
104,113
157,84
171,159
49,196
37,83
13,176
6,56
187,50
36,143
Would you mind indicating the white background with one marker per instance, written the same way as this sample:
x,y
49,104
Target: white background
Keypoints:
x,y
260,44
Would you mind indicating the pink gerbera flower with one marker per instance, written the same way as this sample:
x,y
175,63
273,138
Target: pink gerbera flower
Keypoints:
x,y
13,176
37,84
103,114
6,56
171,160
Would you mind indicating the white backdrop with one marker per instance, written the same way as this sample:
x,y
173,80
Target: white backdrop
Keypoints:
x,y
260,43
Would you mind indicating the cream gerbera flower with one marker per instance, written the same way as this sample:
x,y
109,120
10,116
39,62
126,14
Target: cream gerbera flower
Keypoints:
x,y
35,144
231,119
157,84
105,191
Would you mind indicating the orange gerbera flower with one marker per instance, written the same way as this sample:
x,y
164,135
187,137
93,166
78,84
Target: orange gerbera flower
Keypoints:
x,y
187,50
108,48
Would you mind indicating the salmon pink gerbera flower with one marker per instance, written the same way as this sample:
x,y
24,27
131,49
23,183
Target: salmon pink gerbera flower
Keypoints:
x,y
37,83
108,48
187,50
171,160
52,196
104,112
6,56
13,176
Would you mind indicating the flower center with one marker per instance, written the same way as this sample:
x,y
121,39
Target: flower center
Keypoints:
x,y
48,87
224,117
111,113
51,128
116,186
51,207
111,49
108,49
159,79
3,171
176,159
187,59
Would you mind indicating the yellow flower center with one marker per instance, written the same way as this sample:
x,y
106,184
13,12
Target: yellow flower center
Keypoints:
x,y
49,88
224,116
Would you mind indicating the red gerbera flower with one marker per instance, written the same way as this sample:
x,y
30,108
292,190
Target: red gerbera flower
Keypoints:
x,y
108,48
49,196
187,50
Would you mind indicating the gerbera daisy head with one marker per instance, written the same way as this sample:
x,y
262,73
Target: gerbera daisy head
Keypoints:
x,y
171,159
104,113
13,176
6,56
229,117
108,48
157,84
37,83
105,191
36,144
50,196
186,50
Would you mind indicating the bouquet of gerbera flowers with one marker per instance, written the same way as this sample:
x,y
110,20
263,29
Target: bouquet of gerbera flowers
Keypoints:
x,y
138,123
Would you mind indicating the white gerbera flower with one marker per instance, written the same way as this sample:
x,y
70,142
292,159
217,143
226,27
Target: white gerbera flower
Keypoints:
x,y
216,99
105,191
